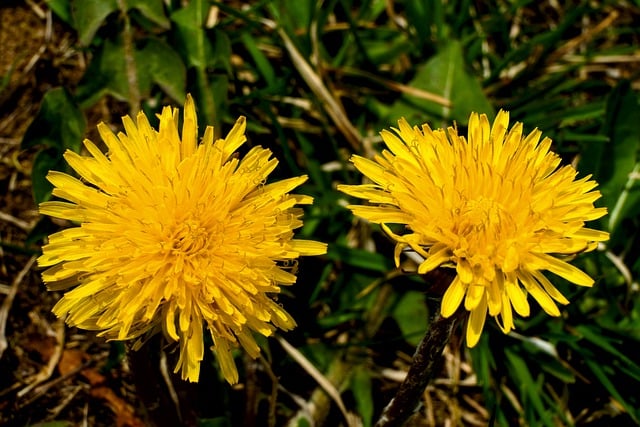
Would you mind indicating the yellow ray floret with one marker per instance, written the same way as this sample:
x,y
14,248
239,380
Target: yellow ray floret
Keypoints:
x,y
175,235
497,206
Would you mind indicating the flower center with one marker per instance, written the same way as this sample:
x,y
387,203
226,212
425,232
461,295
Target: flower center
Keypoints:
x,y
484,230
479,227
189,238
481,218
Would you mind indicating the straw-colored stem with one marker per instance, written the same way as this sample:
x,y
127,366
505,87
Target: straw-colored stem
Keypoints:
x,y
130,61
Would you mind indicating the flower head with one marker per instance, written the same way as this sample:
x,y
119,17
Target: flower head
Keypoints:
x,y
175,235
496,206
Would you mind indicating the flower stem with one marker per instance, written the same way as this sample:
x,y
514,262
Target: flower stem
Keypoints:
x,y
150,387
426,362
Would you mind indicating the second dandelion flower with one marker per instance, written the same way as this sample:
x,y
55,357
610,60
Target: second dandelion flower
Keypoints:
x,y
497,207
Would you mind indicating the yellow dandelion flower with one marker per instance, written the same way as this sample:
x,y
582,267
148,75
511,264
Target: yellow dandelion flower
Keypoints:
x,y
496,206
175,235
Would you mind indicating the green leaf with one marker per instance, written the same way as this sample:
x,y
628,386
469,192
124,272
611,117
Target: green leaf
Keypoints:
x,y
107,74
412,316
198,51
314,168
189,24
484,358
599,371
152,10
296,14
388,47
360,258
615,164
261,61
88,16
62,9
424,17
213,422
599,338
222,48
530,390
43,228
157,62
44,161
362,393
592,111
320,354
58,124
547,360
218,88
332,320
444,75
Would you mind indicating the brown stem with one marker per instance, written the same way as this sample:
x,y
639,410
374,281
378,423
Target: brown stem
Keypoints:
x,y
150,386
425,366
